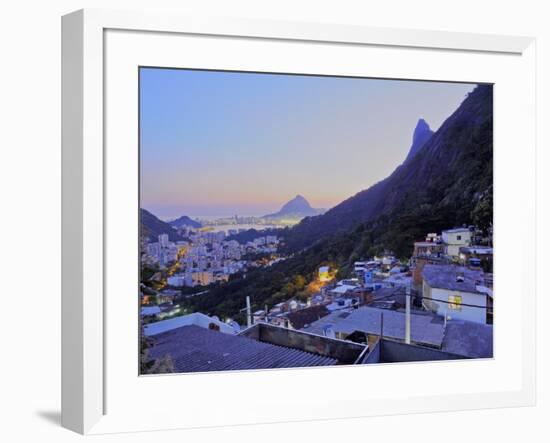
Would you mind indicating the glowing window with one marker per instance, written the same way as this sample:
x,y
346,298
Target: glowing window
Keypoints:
x,y
455,302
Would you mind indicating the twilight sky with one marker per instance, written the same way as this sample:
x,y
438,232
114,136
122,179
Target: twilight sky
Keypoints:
x,y
221,143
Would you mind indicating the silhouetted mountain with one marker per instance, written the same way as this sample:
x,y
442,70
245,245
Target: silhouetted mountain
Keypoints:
x,y
184,220
444,179
298,207
152,227
421,135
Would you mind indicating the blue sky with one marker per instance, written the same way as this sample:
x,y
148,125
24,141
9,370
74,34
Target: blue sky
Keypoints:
x,y
223,143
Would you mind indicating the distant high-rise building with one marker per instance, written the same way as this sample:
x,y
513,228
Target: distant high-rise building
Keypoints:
x,y
163,240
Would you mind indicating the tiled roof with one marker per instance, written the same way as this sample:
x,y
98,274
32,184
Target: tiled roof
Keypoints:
x,y
196,349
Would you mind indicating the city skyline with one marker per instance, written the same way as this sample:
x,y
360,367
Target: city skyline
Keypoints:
x,y
224,143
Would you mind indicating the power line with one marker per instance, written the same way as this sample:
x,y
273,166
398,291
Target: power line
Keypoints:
x,y
452,303
431,299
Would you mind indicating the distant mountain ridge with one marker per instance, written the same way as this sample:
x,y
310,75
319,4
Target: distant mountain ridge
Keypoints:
x,y
185,221
421,135
447,170
298,207
152,227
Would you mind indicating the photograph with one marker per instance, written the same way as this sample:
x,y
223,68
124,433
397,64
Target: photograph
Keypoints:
x,y
291,220
266,221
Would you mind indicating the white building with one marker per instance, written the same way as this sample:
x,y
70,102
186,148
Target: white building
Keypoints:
x,y
176,280
342,289
456,292
163,240
454,239
197,319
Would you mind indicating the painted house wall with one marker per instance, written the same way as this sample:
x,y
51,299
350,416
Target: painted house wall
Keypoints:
x,y
454,240
469,313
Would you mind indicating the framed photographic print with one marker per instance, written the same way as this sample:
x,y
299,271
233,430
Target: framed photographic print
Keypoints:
x,y
253,210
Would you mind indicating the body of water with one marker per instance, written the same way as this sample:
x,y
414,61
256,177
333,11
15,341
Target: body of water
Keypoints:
x,y
217,228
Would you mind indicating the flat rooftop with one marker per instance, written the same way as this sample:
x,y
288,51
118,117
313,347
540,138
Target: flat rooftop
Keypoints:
x,y
426,329
480,250
456,230
196,349
396,294
445,277
470,339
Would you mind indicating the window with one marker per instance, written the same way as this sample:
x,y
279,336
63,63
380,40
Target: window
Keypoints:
x,y
459,237
455,302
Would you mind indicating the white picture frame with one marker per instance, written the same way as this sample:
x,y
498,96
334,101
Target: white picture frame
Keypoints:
x,y
88,191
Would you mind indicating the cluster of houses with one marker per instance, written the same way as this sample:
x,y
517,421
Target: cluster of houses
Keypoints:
x,y
206,257
437,306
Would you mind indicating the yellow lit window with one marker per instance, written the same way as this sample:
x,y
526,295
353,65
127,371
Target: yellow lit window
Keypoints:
x,y
455,302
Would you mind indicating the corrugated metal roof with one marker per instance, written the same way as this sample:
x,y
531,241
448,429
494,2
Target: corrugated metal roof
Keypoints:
x,y
196,349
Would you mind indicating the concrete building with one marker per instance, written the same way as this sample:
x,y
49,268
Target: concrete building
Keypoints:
x,y
454,239
428,248
477,256
456,292
163,240
202,278
341,290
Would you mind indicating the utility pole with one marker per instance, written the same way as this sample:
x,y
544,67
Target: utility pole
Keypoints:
x,y
381,326
248,312
408,315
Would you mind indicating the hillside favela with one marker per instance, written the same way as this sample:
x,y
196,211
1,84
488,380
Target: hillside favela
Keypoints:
x,y
292,221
